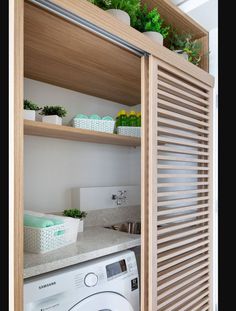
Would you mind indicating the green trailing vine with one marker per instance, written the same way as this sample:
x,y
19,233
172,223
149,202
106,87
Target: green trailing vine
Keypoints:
x,y
187,44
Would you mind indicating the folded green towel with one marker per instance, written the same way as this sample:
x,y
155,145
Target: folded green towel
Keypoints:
x,y
40,222
56,221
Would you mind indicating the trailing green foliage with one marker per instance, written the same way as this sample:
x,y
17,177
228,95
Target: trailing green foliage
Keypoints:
x,y
29,105
186,43
129,6
150,21
54,110
74,213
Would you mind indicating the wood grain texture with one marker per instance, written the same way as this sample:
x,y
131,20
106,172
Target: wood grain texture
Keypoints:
x,y
153,169
109,23
204,63
63,54
144,186
183,214
18,155
211,200
70,133
175,16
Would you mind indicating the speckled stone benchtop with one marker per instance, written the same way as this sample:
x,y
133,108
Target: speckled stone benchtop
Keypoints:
x,y
94,242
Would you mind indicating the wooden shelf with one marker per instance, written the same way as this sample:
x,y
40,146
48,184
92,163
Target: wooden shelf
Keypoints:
x,y
61,53
70,133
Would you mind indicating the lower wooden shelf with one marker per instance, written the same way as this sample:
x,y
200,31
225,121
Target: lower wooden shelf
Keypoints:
x,y
70,133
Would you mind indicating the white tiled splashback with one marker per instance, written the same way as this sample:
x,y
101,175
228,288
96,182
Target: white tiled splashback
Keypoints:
x,y
95,198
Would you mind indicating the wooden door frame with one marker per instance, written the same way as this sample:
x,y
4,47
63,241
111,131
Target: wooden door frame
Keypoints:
x,y
144,184
17,8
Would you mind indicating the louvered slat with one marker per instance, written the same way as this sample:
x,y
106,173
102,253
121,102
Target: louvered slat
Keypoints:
x,y
182,84
183,191
182,126
181,258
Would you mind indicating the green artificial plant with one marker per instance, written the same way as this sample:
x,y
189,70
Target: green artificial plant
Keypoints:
x,y
74,213
129,6
150,21
187,44
53,110
29,105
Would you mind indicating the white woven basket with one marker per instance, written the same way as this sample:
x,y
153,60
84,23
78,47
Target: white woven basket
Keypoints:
x,y
106,126
42,240
129,131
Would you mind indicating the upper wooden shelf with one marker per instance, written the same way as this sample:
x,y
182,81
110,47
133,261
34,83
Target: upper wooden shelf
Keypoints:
x,y
70,133
61,53
100,18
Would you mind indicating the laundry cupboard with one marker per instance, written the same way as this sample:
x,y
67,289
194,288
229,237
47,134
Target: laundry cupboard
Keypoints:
x,y
76,45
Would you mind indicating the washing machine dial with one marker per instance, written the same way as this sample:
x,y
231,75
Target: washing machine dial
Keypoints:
x,y
91,279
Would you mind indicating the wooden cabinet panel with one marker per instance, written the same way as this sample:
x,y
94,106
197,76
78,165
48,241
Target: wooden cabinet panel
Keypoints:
x,y
179,176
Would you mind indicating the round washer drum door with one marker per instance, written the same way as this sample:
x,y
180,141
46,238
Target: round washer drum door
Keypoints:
x,y
105,301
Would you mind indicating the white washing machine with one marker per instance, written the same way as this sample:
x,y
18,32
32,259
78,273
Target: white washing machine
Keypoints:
x,y
110,283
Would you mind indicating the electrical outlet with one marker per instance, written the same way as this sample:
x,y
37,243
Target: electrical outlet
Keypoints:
x,y
94,198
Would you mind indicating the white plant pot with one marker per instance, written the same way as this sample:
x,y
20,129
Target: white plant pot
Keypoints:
x,y
154,36
182,54
29,115
74,229
81,226
52,119
120,15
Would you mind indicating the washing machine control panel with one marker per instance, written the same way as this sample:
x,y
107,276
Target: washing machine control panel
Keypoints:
x,y
91,279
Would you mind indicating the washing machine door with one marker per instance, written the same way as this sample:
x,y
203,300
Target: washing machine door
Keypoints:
x,y
105,301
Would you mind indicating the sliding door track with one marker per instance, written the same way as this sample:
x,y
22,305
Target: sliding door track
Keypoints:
x,y
48,5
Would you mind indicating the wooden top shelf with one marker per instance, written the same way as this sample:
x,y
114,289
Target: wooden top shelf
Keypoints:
x,y
63,54
59,52
70,133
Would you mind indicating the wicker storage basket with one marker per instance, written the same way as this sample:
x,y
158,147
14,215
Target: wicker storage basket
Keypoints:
x,y
129,131
42,240
106,126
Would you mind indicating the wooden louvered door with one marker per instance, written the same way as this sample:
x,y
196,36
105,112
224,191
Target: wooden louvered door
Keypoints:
x,y
179,191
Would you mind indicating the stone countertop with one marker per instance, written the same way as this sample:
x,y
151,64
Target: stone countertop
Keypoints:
x,y
94,242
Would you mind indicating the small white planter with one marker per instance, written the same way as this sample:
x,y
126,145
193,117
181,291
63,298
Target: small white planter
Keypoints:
x,y
154,36
81,226
52,119
29,115
182,54
120,15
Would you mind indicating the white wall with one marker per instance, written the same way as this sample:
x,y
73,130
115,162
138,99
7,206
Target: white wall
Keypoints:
x,y
53,166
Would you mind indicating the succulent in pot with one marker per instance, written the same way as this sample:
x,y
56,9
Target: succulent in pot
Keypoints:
x,y
124,10
30,109
151,24
77,214
53,114
186,46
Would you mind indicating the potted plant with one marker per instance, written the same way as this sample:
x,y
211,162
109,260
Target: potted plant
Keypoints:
x,y
124,10
151,24
78,215
186,46
30,109
53,114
